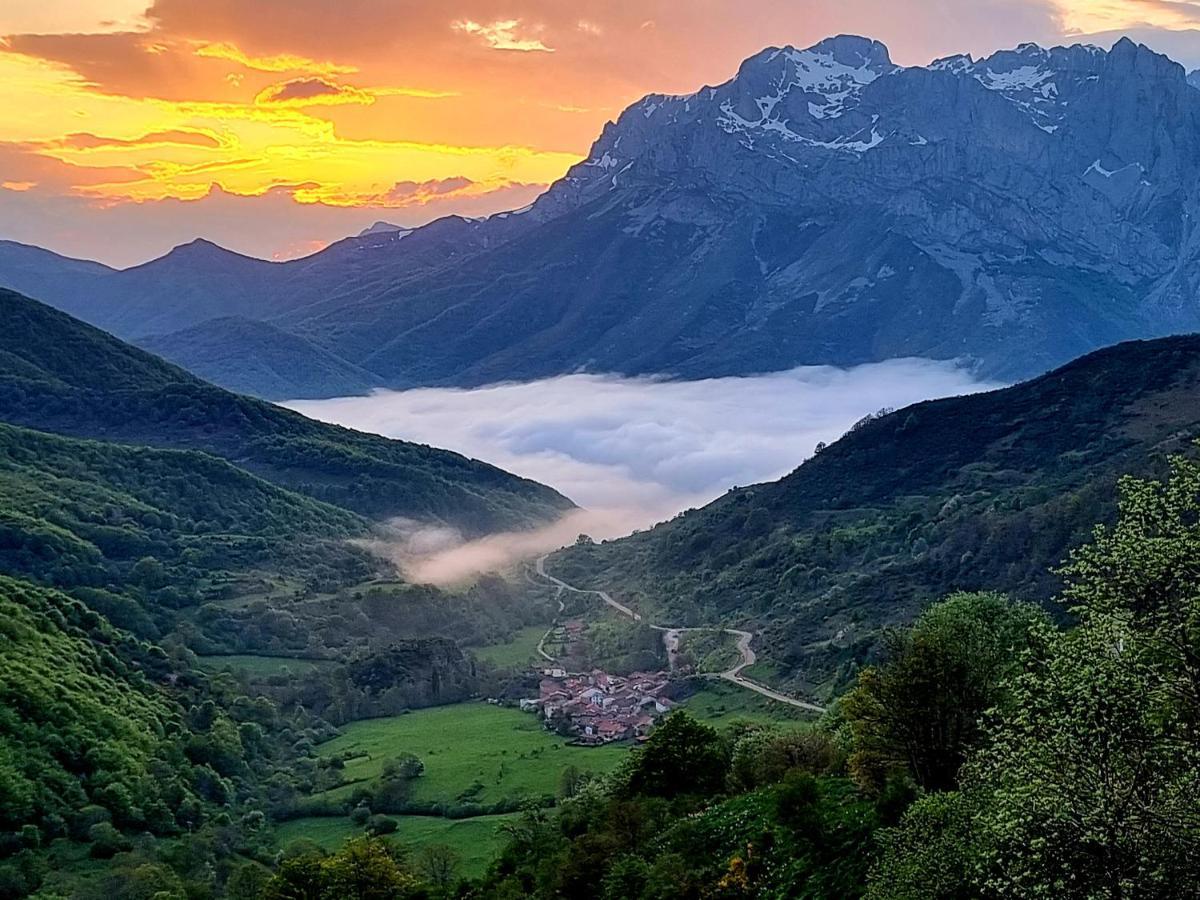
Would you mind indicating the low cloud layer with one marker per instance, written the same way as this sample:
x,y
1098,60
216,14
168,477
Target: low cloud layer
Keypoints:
x,y
632,451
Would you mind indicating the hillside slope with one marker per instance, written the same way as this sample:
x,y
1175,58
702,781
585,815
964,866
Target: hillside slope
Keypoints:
x,y
85,723
165,527
985,491
59,375
259,359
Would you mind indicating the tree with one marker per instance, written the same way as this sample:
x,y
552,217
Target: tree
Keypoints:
x,y
1092,782
932,856
148,572
21,875
247,881
682,757
438,865
299,877
765,755
107,842
1147,567
379,825
366,869
406,765
570,780
920,711
1087,782
626,877
798,804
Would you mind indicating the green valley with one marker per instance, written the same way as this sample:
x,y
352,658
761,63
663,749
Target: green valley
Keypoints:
x,y
209,687
190,610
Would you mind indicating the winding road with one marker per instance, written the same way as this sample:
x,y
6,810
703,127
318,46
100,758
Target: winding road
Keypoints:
x,y
671,641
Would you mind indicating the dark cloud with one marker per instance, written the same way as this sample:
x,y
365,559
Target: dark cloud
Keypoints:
x,y
409,190
134,64
86,141
311,90
606,59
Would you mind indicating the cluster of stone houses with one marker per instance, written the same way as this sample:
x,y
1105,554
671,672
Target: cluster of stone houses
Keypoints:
x,y
598,708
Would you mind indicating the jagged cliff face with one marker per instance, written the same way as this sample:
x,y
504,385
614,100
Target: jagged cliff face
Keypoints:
x,y
1035,203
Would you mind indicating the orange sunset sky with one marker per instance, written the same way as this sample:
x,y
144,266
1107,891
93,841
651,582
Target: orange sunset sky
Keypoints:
x,y
276,127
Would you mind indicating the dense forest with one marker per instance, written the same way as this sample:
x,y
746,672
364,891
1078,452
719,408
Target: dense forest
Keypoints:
x,y
126,764
990,752
132,763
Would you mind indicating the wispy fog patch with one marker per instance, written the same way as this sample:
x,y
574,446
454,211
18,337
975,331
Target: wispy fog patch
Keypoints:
x,y
438,555
631,451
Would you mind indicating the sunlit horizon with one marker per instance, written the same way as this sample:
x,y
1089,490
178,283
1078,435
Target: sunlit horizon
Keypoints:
x,y
274,129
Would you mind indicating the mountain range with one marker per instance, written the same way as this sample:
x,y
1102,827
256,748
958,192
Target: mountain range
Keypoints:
x,y
824,205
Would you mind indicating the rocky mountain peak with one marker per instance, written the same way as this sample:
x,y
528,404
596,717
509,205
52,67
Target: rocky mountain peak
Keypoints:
x,y
851,50
978,162
829,75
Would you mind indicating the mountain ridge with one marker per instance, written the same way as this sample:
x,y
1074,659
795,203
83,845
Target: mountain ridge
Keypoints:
x,y
822,206
63,376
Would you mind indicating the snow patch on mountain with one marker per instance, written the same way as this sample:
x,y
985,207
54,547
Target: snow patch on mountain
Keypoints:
x,y
819,71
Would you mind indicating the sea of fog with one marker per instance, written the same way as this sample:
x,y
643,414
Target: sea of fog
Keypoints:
x,y
630,451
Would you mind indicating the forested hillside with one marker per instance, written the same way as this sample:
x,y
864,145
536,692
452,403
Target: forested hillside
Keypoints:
x,y
131,757
110,748
166,528
988,491
127,761
256,358
57,374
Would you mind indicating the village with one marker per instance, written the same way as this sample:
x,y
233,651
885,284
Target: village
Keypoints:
x,y
598,708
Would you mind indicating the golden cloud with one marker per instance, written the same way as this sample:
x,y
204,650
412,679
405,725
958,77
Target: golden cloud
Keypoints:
x,y
501,35
279,62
